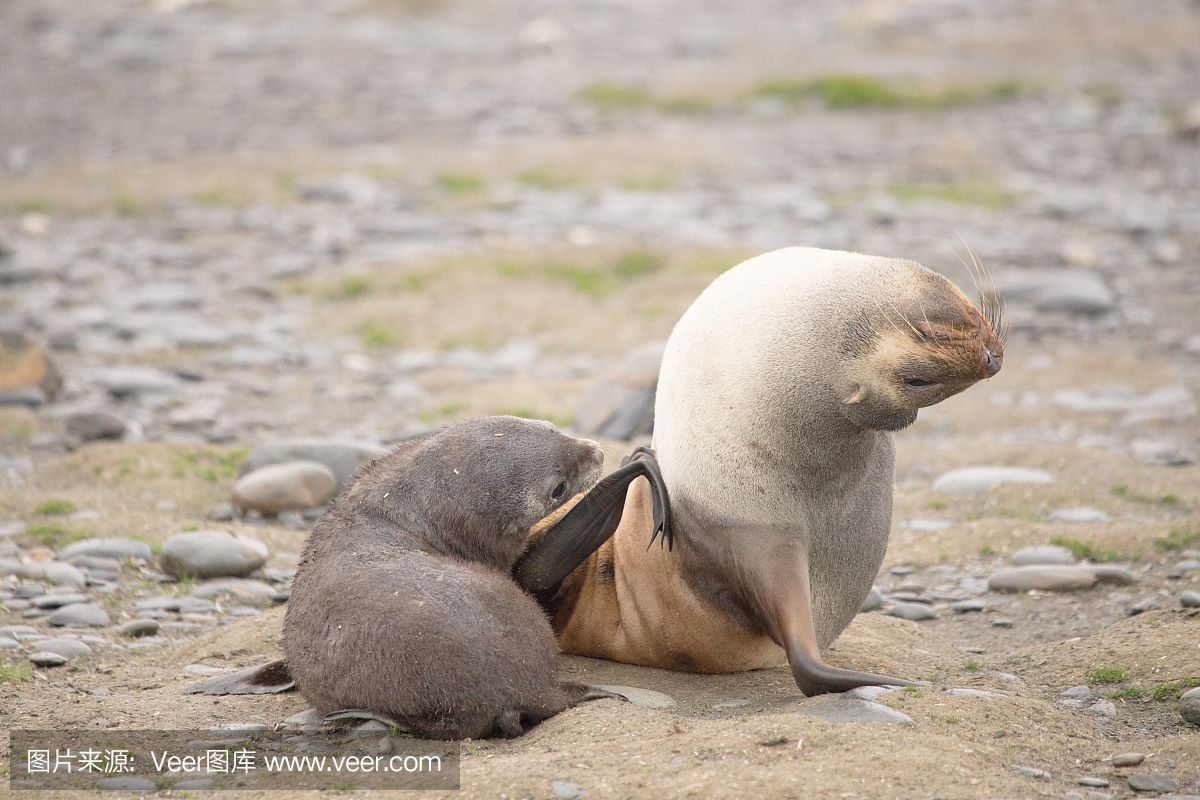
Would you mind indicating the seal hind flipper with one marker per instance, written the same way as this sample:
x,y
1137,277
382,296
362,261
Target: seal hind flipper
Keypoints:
x,y
592,522
271,678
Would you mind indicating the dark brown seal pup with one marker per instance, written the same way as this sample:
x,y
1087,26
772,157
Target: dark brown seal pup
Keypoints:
x,y
403,603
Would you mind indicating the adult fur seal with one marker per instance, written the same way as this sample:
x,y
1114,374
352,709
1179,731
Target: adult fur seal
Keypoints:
x,y
403,603
778,394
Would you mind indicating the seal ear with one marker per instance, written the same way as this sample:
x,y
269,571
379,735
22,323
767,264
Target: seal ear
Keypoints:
x,y
591,522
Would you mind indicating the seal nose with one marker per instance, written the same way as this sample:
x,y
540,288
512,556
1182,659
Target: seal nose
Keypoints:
x,y
991,363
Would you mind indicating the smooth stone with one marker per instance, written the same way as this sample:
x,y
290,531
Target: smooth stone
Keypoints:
x,y
1098,783
211,554
61,574
870,692
621,404
126,381
1079,514
928,525
1189,709
137,628
19,631
968,606
47,659
1117,576
915,612
222,512
1079,693
306,720
127,783
9,644
58,600
1042,554
1150,782
850,709
90,426
1191,693
342,456
1128,759
1143,605
1071,291
192,784
565,790
735,703
1002,622
68,648
646,698
1055,578
1032,772
874,600
113,547
1189,599
977,480
81,614
1103,708
243,588
971,693
284,487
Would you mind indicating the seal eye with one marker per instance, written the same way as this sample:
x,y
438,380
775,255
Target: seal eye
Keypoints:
x,y
558,491
917,383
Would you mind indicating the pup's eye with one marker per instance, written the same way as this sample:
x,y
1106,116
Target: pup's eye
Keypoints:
x,y
917,383
558,491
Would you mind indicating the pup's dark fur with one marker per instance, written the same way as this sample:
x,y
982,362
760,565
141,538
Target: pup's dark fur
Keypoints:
x,y
403,603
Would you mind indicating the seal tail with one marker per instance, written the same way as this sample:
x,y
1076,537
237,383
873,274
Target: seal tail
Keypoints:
x,y
271,678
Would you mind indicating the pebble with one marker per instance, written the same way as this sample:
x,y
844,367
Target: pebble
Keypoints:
x,y
1189,599
47,659
977,480
90,426
58,600
243,588
138,628
1098,783
69,648
850,709
128,783
114,548
1190,693
222,512
127,381
915,612
211,554
1079,514
646,698
1079,693
284,487
1189,709
972,693
1002,622
1151,782
1143,605
1071,291
968,606
1056,578
565,790
1103,708
1042,554
1128,759
342,456
870,692
621,405
874,600
1032,772
81,614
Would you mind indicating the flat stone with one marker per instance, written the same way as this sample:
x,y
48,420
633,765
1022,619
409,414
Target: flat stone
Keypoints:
x,y
109,547
977,480
870,692
646,698
1070,291
1150,782
874,600
1103,708
306,720
565,790
47,659
288,486
1143,605
58,600
243,588
915,612
1128,759
1189,709
68,648
1042,554
127,783
19,631
850,709
342,456
1079,693
127,381
621,404
1098,783
81,614
90,426
967,606
1032,772
138,628
1189,599
1190,693
1046,578
1079,514
211,554
61,574
971,693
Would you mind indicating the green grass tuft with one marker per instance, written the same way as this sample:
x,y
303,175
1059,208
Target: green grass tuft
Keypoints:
x,y
349,287
1128,693
57,507
867,91
972,666
1085,551
1175,689
546,179
1178,540
605,96
15,673
460,182
593,280
1105,675
209,463
1126,493
970,193
52,534
376,334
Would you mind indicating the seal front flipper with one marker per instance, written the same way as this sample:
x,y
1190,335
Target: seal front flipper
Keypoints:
x,y
271,678
591,522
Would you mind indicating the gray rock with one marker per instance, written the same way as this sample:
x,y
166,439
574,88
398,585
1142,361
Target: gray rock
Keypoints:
x,y
1071,291
621,405
192,784
211,554
972,693
306,720
915,612
58,600
1079,693
68,648
9,644
1150,782
1046,578
111,547
138,628
287,486
222,512
1116,576
127,783
242,588
1128,759
1032,772
1189,599
47,659
968,606
1189,709
1079,514
870,692
1042,554
1164,452
19,631
1191,693
1103,708
565,790
342,456
61,574
1143,605
874,600
90,426
850,709
1002,622
1098,783
647,698
977,480
81,614
126,381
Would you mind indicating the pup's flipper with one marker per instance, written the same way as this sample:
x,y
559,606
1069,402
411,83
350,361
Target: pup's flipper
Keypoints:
x,y
271,678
